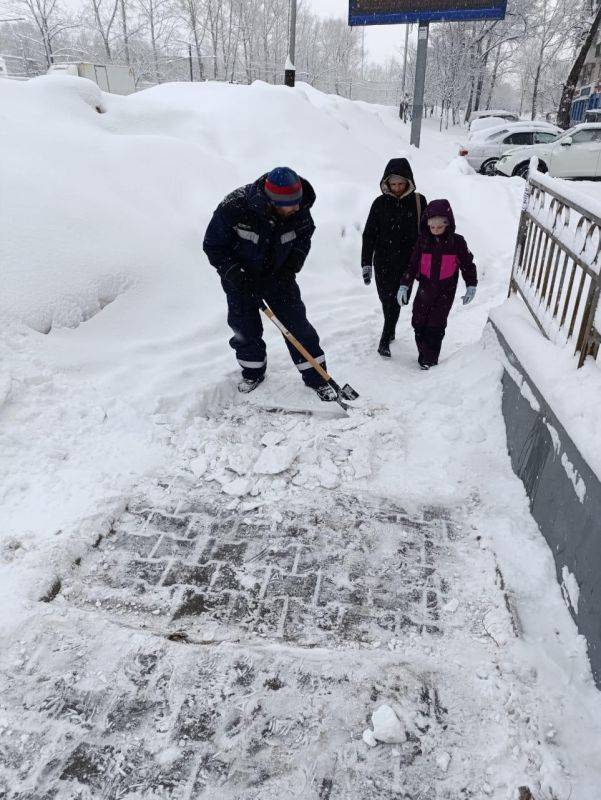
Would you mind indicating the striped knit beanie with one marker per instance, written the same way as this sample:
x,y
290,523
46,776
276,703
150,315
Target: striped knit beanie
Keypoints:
x,y
283,187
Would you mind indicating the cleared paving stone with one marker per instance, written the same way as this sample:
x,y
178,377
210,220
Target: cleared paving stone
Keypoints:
x,y
212,658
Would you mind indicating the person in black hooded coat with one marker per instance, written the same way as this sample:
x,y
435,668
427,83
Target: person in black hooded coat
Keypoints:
x,y
389,237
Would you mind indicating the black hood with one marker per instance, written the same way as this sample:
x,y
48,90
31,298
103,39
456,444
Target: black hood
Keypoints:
x,y
402,168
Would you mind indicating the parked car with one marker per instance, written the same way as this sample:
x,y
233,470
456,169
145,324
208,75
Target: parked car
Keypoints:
x,y
480,120
480,126
483,152
575,154
509,116
110,78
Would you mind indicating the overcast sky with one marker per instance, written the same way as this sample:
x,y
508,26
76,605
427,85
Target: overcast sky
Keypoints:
x,y
381,40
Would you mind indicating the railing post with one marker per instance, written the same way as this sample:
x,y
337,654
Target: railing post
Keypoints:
x,y
521,239
583,345
555,274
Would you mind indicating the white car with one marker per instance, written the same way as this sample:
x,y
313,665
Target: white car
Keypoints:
x,y
574,154
482,152
509,116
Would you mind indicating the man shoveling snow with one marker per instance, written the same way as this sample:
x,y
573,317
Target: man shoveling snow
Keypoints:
x,y
258,240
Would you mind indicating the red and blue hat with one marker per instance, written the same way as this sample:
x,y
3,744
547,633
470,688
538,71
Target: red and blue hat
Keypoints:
x,y
283,187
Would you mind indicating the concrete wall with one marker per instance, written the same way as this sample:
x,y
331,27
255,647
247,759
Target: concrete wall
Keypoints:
x,y
565,497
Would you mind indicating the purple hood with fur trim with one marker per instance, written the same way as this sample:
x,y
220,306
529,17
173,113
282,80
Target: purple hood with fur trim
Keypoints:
x,y
438,208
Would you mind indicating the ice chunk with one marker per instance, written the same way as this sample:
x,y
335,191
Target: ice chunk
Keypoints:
x,y
198,466
238,487
272,438
276,459
387,726
241,459
369,738
442,761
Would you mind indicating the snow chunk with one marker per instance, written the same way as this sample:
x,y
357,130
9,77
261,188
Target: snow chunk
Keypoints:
x,y
199,466
241,459
387,726
168,756
442,761
238,487
572,473
369,738
570,589
276,459
360,460
460,166
272,438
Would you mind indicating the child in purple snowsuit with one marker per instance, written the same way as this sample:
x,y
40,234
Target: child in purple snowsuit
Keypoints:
x,y
438,257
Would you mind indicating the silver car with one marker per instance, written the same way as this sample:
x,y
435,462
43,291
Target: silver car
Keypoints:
x,y
483,152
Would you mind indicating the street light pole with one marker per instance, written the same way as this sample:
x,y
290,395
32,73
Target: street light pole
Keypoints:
x,y
290,72
405,59
420,83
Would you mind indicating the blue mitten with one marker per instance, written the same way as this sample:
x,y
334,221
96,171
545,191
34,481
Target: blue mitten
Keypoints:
x,y
470,293
367,273
402,297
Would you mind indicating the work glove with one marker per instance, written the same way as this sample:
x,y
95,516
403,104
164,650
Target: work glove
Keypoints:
x,y
240,280
367,273
402,297
470,293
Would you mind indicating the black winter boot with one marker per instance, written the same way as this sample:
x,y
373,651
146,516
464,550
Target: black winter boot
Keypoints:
x,y
325,392
248,385
384,347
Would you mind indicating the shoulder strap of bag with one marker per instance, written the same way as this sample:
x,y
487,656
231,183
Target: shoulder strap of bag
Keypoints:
x,y
418,203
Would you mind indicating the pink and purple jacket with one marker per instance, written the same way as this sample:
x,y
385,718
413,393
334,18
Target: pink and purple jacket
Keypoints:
x,y
435,263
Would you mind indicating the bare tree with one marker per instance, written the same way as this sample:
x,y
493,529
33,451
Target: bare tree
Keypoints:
x,y
159,21
105,12
551,24
49,19
569,88
192,15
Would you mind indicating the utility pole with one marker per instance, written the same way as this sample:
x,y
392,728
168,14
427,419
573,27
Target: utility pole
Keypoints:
x,y
290,72
420,83
405,59
403,109
190,60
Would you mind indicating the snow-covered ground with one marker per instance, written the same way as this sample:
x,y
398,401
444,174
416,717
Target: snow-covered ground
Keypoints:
x,y
115,369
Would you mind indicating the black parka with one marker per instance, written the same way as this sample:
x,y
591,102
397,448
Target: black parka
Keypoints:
x,y
392,227
244,233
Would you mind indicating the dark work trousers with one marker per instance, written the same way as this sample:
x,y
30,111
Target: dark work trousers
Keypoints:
x,y
388,281
244,318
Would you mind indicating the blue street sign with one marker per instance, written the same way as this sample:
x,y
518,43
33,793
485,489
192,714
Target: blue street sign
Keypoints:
x,y
391,12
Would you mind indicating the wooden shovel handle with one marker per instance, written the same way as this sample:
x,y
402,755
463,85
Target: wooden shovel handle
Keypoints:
x,y
295,343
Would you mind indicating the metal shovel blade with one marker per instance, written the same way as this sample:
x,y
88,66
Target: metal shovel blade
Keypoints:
x,y
349,393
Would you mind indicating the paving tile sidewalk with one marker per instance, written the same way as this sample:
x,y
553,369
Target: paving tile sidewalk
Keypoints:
x,y
200,654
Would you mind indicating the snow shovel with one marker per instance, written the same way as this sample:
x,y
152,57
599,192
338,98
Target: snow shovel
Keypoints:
x,y
342,393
